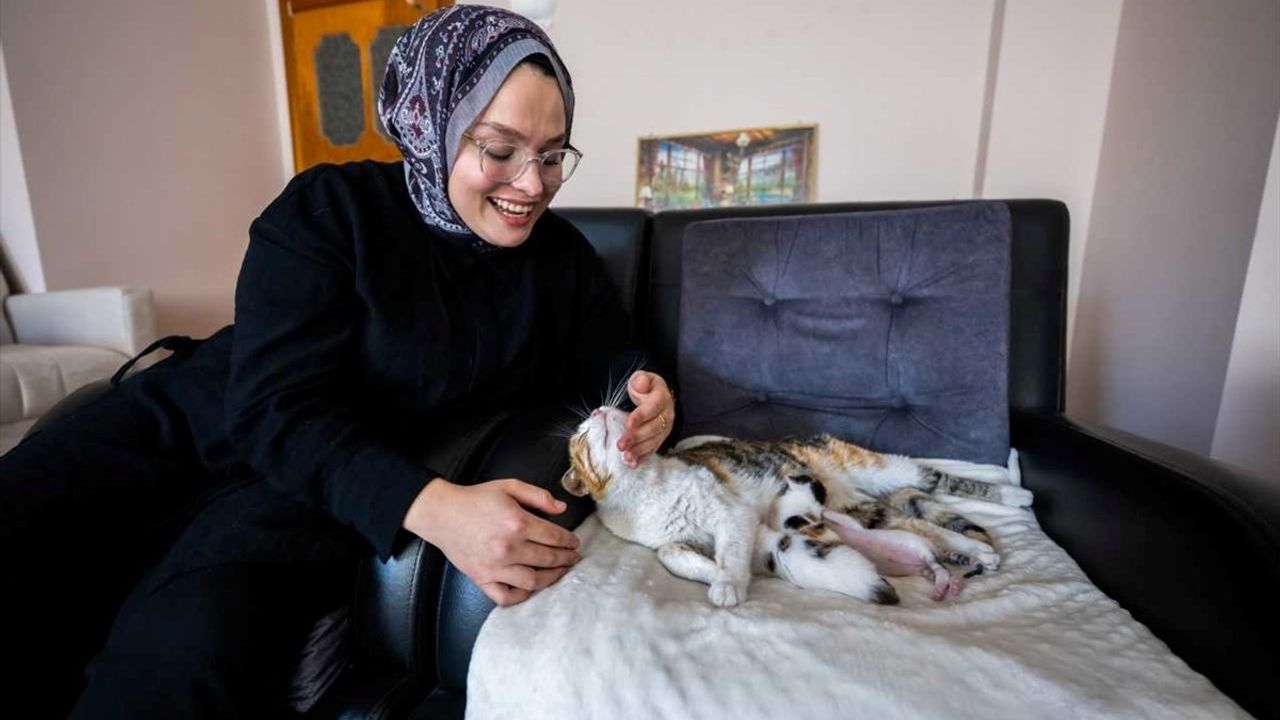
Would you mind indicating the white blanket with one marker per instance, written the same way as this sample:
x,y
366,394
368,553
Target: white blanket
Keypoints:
x,y
619,637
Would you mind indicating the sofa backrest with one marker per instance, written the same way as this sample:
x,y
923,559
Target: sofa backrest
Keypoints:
x,y
888,329
1038,317
618,236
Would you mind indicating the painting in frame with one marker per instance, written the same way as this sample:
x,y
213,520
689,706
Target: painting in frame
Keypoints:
x,y
751,166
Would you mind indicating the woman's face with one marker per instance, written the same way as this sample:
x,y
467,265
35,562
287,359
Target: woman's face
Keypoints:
x,y
528,112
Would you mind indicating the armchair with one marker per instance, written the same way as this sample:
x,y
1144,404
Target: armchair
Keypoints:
x,y
52,343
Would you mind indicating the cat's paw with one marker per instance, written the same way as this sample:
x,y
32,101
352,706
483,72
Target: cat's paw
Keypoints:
x,y
882,593
988,560
1015,496
727,594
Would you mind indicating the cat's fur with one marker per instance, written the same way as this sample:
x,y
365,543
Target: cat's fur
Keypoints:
x,y
820,513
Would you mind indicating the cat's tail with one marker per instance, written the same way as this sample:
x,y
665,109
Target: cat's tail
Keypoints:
x,y
933,480
820,565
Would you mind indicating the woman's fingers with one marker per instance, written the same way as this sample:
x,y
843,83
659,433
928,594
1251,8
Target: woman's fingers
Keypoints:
x,y
503,594
548,533
515,583
540,556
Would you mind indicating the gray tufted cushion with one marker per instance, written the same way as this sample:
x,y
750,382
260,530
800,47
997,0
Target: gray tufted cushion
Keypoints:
x,y
889,329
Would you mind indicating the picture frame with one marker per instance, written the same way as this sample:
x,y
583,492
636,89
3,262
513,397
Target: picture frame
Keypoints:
x,y
746,166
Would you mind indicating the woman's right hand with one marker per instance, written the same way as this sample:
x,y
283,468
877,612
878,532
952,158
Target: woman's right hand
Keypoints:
x,y
486,533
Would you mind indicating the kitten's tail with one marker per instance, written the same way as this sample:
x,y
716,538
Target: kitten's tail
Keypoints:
x,y
933,480
817,565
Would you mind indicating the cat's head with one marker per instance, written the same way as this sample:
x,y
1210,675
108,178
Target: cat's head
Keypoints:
x,y
594,457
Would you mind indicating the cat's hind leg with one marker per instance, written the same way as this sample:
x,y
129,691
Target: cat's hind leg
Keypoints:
x,y
911,502
685,561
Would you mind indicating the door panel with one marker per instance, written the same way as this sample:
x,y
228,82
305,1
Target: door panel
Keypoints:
x,y
335,54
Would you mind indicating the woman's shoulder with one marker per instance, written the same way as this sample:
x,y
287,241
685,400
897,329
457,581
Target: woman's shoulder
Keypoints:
x,y
351,189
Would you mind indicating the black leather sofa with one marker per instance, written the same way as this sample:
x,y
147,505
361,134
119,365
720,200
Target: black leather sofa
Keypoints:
x,y
1189,546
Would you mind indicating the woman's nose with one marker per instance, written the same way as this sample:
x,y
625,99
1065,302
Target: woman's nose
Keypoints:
x,y
530,180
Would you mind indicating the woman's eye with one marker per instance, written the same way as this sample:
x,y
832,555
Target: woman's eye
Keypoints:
x,y
553,160
501,153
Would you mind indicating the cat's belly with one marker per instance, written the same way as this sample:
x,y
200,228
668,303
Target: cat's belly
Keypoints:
x,y
652,531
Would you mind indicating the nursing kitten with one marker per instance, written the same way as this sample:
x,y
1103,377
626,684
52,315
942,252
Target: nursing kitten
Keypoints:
x,y
819,513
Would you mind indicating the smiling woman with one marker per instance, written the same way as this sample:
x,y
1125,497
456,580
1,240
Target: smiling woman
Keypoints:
x,y
378,304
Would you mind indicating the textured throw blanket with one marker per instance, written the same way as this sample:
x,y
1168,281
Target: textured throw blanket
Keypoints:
x,y
619,637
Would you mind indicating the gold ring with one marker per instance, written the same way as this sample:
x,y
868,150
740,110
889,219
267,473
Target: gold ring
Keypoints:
x,y
664,423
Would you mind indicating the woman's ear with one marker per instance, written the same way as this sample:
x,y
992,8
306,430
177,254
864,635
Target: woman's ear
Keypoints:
x,y
570,482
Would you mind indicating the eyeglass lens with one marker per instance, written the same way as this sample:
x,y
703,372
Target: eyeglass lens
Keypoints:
x,y
504,163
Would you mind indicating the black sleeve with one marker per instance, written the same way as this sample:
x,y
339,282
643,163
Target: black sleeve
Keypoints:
x,y
296,327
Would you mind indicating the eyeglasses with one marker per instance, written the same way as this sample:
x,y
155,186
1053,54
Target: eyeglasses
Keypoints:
x,y
502,162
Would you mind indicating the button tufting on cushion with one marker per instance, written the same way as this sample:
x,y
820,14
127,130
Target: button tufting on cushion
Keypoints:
x,y
840,359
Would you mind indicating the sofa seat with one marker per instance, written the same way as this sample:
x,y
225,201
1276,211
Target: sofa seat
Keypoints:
x,y
33,378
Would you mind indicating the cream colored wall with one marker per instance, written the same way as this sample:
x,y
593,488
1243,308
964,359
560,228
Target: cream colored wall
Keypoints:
x,y
1050,104
17,230
895,88
1249,420
150,140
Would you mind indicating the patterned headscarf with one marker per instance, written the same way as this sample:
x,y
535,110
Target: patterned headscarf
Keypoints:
x,y
440,76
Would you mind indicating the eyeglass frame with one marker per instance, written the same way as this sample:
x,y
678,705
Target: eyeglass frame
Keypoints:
x,y
528,157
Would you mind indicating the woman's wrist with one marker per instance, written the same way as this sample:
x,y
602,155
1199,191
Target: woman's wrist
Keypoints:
x,y
420,518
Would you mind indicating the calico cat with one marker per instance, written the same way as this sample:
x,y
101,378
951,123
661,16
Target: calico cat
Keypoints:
x,y
820,513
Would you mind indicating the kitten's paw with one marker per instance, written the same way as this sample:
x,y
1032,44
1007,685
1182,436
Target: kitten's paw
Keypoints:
x,y
988,560
882,593
727,594
1015,496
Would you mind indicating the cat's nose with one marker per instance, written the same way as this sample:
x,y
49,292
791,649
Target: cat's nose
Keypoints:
x,y
596,413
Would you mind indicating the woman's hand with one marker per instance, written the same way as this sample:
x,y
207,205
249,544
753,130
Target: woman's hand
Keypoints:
x,y
650,423
486,533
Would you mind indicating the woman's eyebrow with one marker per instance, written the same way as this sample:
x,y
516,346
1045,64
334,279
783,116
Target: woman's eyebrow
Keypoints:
x,y
512,133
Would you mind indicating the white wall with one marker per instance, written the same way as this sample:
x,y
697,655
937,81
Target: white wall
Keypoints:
x,y
1050,105
17,229
895,88
1190,123
1249,420
150,138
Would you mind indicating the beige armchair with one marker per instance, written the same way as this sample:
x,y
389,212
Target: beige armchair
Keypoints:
x,y
54,342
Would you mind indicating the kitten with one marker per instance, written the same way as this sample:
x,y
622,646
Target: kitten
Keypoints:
x,y
819,513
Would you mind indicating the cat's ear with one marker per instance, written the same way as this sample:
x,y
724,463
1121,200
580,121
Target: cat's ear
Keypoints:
x,y
570,482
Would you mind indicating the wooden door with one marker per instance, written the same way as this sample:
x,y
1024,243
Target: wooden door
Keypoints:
x,y
335,53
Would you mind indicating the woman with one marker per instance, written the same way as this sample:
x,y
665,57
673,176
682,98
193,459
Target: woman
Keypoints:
x,y
233,485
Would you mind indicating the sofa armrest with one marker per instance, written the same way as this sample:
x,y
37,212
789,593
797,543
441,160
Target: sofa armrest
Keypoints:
x,y
120,318
1187,545
533,449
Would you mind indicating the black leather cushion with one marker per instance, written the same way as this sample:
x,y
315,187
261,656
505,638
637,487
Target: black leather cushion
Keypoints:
x,y
1037,322
530,449
617,234
889,329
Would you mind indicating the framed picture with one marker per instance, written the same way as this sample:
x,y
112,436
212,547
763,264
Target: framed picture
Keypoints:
x,y
755,166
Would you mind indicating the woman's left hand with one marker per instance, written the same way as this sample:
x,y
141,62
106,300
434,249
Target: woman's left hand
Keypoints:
x,y
650,423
